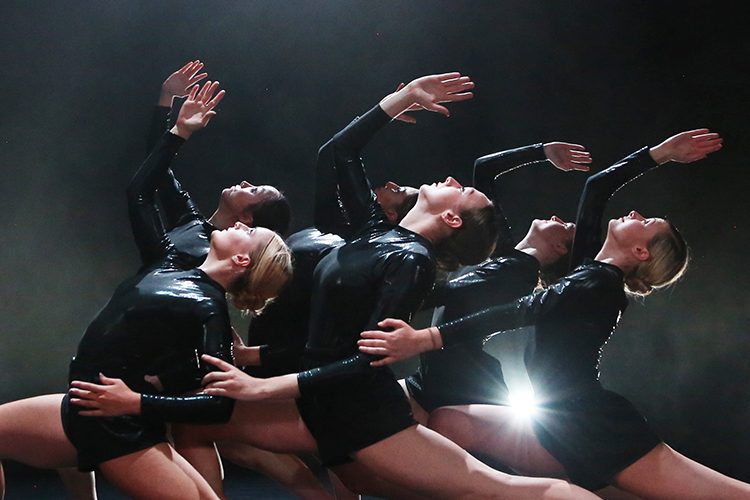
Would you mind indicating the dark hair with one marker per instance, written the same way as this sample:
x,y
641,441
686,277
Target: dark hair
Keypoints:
x,y
471,243
273,213
668,261
407,204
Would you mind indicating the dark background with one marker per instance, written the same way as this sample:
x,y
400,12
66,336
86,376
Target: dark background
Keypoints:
x,y
78,80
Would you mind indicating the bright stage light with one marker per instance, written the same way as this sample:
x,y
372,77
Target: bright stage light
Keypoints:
x,y
523,403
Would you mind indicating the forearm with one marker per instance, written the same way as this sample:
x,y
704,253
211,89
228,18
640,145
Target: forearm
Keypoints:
x,y
200,408
487,168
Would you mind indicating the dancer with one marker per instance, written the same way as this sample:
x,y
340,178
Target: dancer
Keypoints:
x,y
593,435
353,411
466,374
188,229
155,319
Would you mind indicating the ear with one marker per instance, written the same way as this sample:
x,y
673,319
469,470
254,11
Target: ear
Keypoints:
x,y
246,217
241,260
451,219
640,253
391,215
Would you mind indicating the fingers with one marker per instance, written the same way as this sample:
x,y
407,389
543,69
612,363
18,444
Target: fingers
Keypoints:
x,y
193,92
216,391
219,363
108,381
372,342
447,76
217,99
85,403
377,351
80,393
213,377
403,117
186,67
87,386
400,86
392,323
437,108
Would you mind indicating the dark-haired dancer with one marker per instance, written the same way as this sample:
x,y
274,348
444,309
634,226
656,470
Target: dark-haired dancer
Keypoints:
x,y
155,321
353,411
592,435
466,374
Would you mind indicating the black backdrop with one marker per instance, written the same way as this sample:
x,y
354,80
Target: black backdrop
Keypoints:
x,y
78,79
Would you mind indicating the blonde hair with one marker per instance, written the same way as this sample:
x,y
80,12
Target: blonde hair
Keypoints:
x,y
258,286
667,263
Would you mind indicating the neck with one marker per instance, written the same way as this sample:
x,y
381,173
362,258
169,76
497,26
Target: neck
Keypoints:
x,y
614,255
423,224
218,270
530,249
221,219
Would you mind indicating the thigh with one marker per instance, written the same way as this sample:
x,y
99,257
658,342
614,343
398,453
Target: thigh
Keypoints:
x,y
134,474
665,473
499,432
31,432
422,460
270,425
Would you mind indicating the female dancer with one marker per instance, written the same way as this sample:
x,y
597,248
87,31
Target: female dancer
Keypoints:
x,y
466,374
157,319
345,409
580,429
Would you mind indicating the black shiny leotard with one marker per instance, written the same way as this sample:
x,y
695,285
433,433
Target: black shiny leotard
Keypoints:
x,y
465,374
383,272
593,432
186,228
157,322
282,329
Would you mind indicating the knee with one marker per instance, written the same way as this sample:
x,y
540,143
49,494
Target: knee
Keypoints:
x,y
454,425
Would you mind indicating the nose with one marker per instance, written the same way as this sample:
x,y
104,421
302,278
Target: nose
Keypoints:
x,y
635,215
245,184
557,219
239,225
392,185
450,181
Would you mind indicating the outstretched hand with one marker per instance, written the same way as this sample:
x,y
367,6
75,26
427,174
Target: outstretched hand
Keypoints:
x,y
198,109
567,156
428,92
687,147
110,399
400,343
178,84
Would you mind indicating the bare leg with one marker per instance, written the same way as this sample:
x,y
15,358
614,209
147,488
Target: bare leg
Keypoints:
x,y
272,425
665,473
422,460
136,473
2,482
286,469
80,485
31,433
496,431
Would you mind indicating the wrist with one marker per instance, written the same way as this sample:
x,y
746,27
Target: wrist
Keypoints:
x,y
165,98
660,154
135,404
181,131
435,339
396,103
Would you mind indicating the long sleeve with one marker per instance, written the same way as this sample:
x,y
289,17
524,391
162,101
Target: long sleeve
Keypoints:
x,y
407,282
342,153
519,313
488,168
216,341
148,230
598,190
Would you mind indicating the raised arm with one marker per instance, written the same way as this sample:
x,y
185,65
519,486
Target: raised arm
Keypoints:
x,y
564,156
144,218
343,151
685,147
